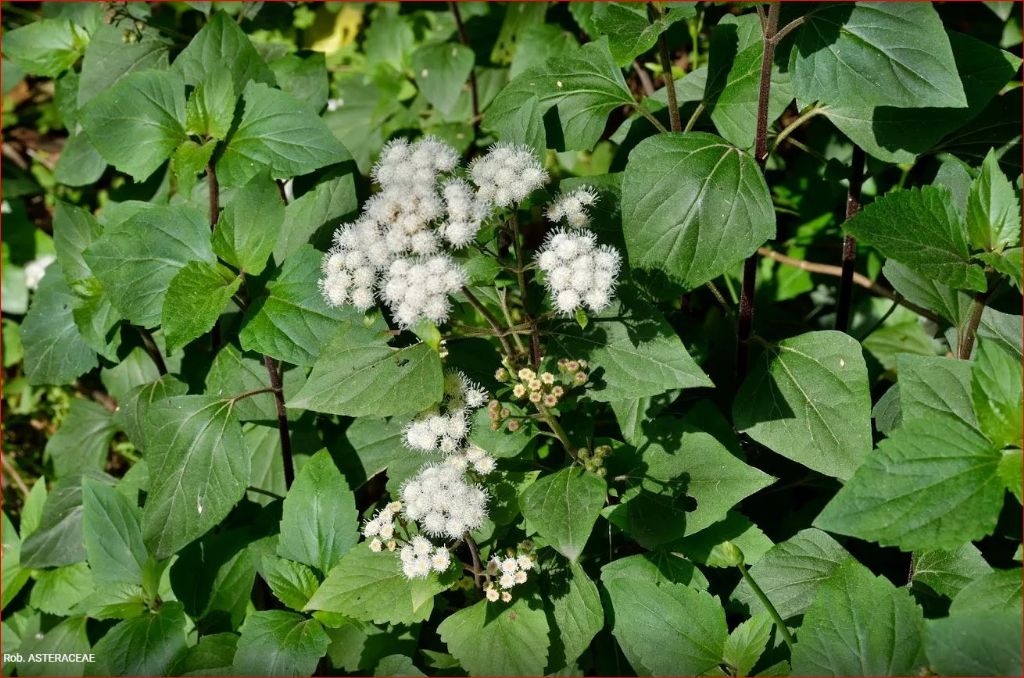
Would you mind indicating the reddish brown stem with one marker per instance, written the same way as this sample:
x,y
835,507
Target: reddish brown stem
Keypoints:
x,y
282,419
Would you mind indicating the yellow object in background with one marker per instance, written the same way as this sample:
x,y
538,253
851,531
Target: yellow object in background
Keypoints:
x,y
333,30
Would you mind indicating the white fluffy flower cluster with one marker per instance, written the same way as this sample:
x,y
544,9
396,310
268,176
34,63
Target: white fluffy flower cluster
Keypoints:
x,y
577,271
443,503
444,429
507,174
572,207
396,252
419,557
381,528
509,571
36,269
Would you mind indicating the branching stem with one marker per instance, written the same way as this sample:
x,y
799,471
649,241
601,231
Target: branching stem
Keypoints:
x,y
495,324
474,552
970,333
282,419
559,432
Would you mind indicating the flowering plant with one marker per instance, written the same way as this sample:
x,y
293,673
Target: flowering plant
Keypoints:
x,y
418,339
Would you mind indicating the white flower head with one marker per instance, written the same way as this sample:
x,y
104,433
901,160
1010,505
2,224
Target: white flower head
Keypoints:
x,y
418,288
507,174
578,272
572,207
443,502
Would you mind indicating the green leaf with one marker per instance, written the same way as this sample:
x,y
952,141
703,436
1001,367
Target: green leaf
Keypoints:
x,y
66,639
931,484
630,32
32,509
58,539
905,48
920,228
666,629
211,656
59,590
250,225
370,586
279,132
693,206
948,572
83,440
577,614
55,352
655,567
584,86
746,643
379,444
996,591
708,545
199,469
1009,262
292,583
108,59
925,291
12,576
638,353
1010,472
993,211
189,161
932,385
97,320
210,108
358,374
131,413
441,71
137,259
996,394
860,624
196,296
233,373
222,44
279,643
304,76
307,218
47,47
397,665
979,643
112,533
79,164
497,639
791,571
147,645
563,508
138,123
680,462
319,521
74,229
808,399
136,369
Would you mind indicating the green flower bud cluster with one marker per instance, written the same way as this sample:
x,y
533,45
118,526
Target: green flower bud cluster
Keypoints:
x,y
593,461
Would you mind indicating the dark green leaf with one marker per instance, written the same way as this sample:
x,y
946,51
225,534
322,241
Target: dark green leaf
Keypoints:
x,y
982,643
147,645
47,47
250,226
292,583
498,639
630,32
578,616
441,71
563,508
222,44
196,296
83,439
305,219
993,211
108,59
112,532
74,229
932,385
210,108
948,572
996,394
55,352
279,643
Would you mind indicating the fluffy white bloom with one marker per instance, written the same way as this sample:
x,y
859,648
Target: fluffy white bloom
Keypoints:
x,y
446,428
506,174
375,545
509,565
492,594
443,502
507,581
482,462
519,577
572,207
36,269
525,562
441,559
465,213
417,288
577,271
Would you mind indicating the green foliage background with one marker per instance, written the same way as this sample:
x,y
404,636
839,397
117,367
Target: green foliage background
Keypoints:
x,y
849,503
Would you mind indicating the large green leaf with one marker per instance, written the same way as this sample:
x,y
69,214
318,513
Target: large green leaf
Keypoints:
x,y
563,508
280,132
370,586
292,583
996,393
633,350
666,629
12,576
293,323
860,625
630,32
577,614
930,385
441,71
279,643
112,533
222,44
655,567
680,479
993,210
492,639
308,217
920,228
250,225
584,86
931,484
693,206
147,645
319,522
948,572
358,374
74,229
198,466
233,373
981,643
137,259
196,296
139,122
58,538
996,591
108,59
808,400
56,649
83,440
791,571
47,47
61,589
55,352
131,412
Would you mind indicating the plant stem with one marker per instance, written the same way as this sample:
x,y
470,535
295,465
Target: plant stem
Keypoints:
x,y
499,331
966,346
523,294
670,86
776,617
858,279
746,322
474,552
12,471
266,493
849,242
282,419
809,113
153,350
249,394
559,432
214,190
694,117
473,90
650,118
